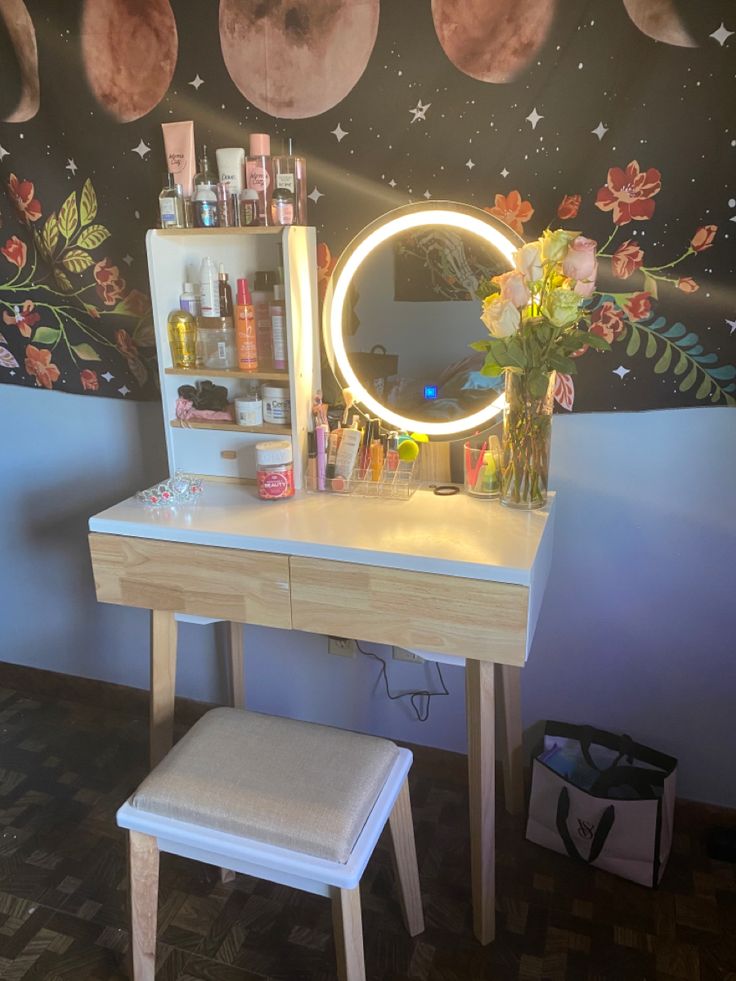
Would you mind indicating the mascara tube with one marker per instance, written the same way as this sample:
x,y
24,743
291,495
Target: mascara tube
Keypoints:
x,y
321,433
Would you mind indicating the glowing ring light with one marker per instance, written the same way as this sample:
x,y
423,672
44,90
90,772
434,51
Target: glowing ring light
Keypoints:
x,y
421,215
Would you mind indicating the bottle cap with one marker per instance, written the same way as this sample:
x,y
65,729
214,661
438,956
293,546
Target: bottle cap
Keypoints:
x,y
188,288
248,194
222,273
244,298
259,145
274,452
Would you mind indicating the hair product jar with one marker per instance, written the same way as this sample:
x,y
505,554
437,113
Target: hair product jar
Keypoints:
x,y
276,405
274,470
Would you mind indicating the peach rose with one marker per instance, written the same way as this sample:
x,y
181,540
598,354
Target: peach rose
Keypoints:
x,y
580,262
528,261
501,317
703,238
687,284
513,288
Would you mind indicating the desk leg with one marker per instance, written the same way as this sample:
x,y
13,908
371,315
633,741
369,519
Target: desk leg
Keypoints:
x,y
235,657
509,681
481,782
163,683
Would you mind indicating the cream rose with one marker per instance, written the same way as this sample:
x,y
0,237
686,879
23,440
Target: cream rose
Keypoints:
x,y
513,288
555,244
580,262
563,307
528,261
500,316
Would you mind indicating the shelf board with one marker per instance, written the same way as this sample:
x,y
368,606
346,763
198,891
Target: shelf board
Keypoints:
x,y
251,230
226,373
267,429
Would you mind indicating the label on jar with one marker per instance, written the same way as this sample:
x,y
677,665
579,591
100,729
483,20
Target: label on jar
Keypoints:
x,y
276,482
250,412
285,180
222,350
277,410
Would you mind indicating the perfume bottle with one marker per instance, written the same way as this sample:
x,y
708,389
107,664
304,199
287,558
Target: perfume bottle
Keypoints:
x,y
204,200
290,172
259,174
171,204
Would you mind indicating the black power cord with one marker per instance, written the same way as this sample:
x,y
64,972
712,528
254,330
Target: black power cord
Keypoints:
x,y
413,696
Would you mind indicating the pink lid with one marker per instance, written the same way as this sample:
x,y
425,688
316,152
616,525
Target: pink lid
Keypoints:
x,y
260,145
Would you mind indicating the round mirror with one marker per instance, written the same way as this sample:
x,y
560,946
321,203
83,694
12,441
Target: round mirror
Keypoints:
x,y
401,311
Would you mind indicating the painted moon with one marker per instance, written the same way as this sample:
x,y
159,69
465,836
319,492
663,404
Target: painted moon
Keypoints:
x,y
660,20
22,34
300,58
492,40
129,51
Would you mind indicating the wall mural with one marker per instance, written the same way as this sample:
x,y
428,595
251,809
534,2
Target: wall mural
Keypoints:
x,y
608,118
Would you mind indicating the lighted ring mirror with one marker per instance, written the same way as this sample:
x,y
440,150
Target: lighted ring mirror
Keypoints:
x,y
401,311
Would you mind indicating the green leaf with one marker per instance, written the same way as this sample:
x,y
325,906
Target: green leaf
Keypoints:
x,y
538,382
46,335
93,236
664,362
86,352
480,345
560,363
689,380
88,203
69,217
599,343
76,260
51,233
634,341
650,286
651,348
704,388
515,353
682,363
62,280
491,369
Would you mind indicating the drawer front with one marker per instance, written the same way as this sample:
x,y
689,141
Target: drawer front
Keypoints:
x,y
445,614
250,587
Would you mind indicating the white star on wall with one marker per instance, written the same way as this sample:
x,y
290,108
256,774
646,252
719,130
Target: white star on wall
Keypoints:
x,y
124,391
620,371
534,117
315,195
732,325
600,130
339,133
427,195
141,149
70,165
505,173
469,164
4,152
420,111
392,183
196,82
108,377
128,258
721,35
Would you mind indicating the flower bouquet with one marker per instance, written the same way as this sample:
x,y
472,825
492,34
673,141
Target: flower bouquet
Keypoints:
x,y
537,318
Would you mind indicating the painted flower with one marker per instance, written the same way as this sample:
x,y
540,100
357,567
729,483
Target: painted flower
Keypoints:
x,y
563,307
564,391
325,265
628,193
638,306
513,288
626,259
580,262
607,322
501,317
528,261
687,284
90,381
38,363
137,304
22,195
569,206
15,251
23,317
703,238
511,210
110,284
125,344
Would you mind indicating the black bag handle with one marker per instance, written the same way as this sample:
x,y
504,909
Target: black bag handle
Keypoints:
x,y
589,735
599,838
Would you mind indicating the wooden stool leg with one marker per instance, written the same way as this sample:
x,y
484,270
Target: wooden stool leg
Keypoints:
x,y
348,927
163,684
235,657
143,878
480,708
405,861
509,679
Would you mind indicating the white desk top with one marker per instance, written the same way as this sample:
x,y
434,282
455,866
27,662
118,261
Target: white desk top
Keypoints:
x,y
454,536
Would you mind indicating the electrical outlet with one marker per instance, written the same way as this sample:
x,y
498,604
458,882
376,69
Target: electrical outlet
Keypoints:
x,y
401,654
341,646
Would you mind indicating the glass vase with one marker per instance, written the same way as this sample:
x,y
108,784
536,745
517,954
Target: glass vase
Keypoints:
x,y
527,429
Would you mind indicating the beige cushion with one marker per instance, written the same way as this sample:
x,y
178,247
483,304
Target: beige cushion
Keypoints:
x,y
306,787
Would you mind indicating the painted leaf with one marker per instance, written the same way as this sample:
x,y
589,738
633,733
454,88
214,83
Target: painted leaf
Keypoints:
x,y
676,330
564,391
725,373
76,260
93,236
51,233
68,216
689,380
86,352
634,341
139,370
688,340
62,280
6,359
664,362
88,203
650,286
704,388
46,335
682,363
651,347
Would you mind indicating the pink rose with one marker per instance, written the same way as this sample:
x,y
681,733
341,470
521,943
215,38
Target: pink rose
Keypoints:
x,y
580,262
513,288
585,287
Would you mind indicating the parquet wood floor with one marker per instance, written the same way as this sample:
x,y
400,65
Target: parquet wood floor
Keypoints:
x,y
65,767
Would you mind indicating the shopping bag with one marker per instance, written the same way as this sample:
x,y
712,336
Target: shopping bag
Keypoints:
x,y
604,800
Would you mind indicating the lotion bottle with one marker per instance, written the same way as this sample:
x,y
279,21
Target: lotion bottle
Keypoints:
x,y
209,289
278,327
245,329
259,174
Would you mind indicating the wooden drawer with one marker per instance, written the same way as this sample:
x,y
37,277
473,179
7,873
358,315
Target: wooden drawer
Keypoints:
x,y
445,614
250,587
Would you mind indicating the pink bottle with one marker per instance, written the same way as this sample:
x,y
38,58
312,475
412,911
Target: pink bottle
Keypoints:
x,y
259,174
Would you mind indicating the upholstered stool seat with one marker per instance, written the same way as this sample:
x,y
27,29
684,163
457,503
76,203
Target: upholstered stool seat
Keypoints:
x,y
292,802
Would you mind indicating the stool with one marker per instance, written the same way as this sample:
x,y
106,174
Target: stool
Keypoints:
x,y
292,802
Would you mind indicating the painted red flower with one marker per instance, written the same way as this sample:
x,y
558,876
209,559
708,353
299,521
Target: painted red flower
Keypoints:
x,y
569,206
325,265
608,322
23,317
564,391
626,259
22,195
110,284
703,238
511,210
90,381
137,303
38,363
687,284
15,251
638,306
628,193
125,344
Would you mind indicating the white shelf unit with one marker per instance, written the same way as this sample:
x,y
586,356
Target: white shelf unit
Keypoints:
x,y
174,256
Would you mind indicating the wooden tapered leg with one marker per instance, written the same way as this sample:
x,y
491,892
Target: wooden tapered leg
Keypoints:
x,y
481,785
143,877
163,684
348,927
510,730
235,657
405,861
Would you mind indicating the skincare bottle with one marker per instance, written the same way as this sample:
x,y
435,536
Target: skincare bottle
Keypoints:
x,y
225,218
245,329
262,299
259,174
225,293
209,292
347,453
189,300
277,311
290,172
171,204
248,206
182,331
204,199
230,166
282,207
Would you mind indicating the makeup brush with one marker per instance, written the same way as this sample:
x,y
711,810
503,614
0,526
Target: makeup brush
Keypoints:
x,y
349,400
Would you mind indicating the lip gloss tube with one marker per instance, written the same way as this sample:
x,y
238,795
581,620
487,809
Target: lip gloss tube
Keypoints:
x,y
321,435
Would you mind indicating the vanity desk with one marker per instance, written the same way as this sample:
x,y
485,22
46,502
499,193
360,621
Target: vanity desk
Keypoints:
x,y
460,577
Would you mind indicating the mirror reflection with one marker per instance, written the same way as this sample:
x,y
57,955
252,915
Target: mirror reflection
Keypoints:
x,y
411,315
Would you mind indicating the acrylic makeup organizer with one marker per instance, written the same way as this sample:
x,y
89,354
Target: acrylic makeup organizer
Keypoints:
x,y
395,485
